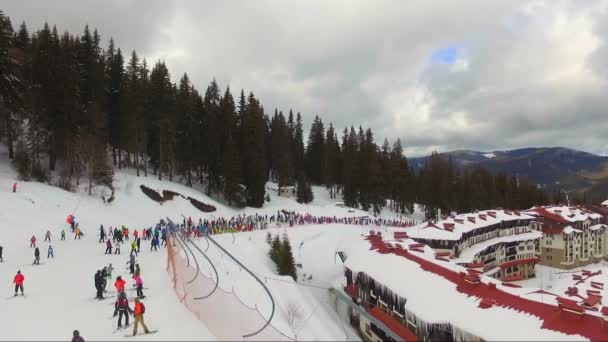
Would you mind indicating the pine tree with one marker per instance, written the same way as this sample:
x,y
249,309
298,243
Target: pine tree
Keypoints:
x,y
288,263
315,152
10,82
232,174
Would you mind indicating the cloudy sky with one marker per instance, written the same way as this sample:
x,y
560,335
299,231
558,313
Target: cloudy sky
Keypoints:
x,y
439,75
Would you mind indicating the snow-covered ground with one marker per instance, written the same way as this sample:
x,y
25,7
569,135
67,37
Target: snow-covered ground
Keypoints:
x,y
59,292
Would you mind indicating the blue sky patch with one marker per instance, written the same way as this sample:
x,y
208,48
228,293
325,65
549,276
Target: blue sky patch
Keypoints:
x,y
447,55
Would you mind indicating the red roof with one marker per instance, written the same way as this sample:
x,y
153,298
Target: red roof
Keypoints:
x,y
513,278
395,326
551,216
475,264
591,327
605,310
518,262
593,300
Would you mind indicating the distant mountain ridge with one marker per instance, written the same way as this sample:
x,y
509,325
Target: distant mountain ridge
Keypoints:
x,y
551,167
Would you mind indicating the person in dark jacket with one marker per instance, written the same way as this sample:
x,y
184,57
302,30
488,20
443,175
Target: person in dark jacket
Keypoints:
x,y
131,263
137,270
121,308
99,285
1,260
104,278
76,336
36,256
138,243
108,247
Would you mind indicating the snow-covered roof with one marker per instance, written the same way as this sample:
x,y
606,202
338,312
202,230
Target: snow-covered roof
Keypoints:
x,y
453,228
570,230
570,214
605,203
468,254
597,226
434,298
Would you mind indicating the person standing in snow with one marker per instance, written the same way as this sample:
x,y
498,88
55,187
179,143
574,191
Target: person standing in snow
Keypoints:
x,y
18,281
36,256
62,234
77,233
131,264
98,285
104,278
117,245
1,260
119,284
109,270
137,269
139,285
47,236
50,253
15,187
108,247
140,309
134,247
102,234
33,241
121,308
138,243
76,336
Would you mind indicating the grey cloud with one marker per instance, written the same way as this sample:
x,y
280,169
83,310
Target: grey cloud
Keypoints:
x,y
367,63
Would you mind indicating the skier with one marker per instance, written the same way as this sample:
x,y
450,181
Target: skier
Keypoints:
x,y
137,270
76,336
138,244
109,270
117,251
134,247
139,284
131,263
122,307
108,247
104,278
98,285
77,233
36,256
102,234
1,260
33,241
15,187
18,281
62,234
47,236
119,284
140,309
50,253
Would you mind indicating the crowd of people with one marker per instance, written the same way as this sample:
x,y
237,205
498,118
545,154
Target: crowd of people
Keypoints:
x,y
240,223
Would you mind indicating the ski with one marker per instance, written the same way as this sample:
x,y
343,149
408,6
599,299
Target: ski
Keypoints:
x,y
122,328
149,333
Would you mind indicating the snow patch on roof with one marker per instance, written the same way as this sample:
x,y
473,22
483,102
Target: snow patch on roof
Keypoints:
x,y
462,224
468,254
489,155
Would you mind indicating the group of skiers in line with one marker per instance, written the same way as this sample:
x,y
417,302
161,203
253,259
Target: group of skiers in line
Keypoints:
x,y
244,222
121,306
118,236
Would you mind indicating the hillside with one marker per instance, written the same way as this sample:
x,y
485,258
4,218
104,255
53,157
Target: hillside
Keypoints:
x,y
62,287
553,168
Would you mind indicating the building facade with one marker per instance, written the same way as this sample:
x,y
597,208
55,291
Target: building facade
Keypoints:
x,y
572,236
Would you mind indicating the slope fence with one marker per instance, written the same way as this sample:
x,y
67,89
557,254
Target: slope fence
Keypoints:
x,y
226,314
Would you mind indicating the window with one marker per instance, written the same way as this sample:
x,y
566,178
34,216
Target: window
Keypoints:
x,y
521,248
530,247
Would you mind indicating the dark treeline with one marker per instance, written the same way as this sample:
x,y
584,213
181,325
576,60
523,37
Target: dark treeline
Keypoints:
x,y
73,109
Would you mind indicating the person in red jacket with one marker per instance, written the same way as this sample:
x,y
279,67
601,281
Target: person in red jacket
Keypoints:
x,y
119,284
15,187
139,316
18,281
33,241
